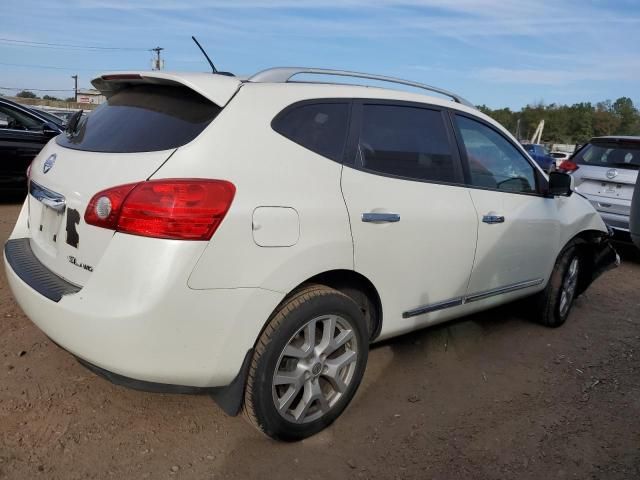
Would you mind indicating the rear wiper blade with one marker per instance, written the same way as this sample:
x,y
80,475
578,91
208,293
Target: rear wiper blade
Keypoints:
x,y
72,124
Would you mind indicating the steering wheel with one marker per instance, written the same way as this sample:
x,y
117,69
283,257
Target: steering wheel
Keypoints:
x,y
520,182
15,125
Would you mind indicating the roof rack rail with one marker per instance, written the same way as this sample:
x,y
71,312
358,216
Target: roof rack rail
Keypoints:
x,y
284,74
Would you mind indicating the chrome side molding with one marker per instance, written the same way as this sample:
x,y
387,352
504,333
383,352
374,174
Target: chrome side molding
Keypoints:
x,y
454,302
499,291
51,199
457,301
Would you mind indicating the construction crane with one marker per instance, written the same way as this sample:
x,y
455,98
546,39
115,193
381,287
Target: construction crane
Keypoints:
x,y
537,135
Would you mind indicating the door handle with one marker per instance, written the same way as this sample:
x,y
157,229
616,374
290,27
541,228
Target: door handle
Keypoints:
x,y
374,217
493,218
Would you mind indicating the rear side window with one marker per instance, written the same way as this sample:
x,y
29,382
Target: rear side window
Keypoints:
x,y
143,118
613,154
319,127
406,141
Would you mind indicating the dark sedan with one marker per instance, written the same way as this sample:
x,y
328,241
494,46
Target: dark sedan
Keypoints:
x,y
23,133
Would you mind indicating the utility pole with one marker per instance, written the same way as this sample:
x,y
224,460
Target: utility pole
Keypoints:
x,y
75,88
157,63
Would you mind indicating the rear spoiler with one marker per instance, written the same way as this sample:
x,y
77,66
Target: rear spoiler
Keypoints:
x,y
217,88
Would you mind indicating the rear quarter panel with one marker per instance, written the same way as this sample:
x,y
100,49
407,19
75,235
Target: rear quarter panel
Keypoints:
x,y
267,170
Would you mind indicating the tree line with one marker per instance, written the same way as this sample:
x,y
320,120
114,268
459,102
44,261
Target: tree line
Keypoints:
x,y
570,124
30,94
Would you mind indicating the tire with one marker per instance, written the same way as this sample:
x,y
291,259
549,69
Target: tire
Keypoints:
x,y
312,386
554,303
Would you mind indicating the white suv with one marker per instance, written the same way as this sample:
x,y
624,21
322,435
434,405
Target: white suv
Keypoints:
x,y
251,238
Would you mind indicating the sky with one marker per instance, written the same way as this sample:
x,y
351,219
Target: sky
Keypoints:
x,y
495,52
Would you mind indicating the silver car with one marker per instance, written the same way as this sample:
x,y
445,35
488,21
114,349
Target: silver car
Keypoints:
x,y
605,171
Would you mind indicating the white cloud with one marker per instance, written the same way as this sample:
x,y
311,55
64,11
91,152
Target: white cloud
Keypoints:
x,y
597,69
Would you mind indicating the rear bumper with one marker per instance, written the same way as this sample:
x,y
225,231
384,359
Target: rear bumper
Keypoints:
x,y
229,397
619,220
141,321
615,221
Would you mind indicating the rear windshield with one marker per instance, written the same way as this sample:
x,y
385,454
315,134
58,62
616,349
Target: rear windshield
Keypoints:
x,y
143,118
621,155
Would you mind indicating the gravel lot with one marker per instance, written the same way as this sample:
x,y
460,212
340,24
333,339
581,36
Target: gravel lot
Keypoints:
x,y
491,396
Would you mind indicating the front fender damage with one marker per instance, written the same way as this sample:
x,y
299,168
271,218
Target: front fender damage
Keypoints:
x,y
598,255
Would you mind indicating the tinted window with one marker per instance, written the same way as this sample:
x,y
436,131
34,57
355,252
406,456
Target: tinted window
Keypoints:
x,y
493,161
614,154
406,141
143,118
50,117
320,127
17,120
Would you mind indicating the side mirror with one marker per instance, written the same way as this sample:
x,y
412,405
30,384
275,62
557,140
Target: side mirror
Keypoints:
x,y
634,219
50,130
560,184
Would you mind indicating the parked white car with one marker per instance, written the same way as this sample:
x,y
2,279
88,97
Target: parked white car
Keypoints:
x,y
251,238
605,171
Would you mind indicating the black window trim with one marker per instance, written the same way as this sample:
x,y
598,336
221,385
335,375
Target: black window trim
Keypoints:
x,y
542,184
317,101
351,152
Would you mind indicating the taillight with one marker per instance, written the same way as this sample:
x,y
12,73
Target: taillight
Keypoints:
x,y
189,209
568,166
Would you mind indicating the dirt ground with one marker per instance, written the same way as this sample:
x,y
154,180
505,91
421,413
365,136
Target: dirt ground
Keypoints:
x,y
491,396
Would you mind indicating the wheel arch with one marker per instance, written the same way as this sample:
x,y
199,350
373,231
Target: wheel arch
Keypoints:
x,y
353,284
360,289
596,255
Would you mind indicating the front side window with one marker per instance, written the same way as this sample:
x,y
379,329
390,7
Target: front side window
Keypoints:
x,y
16,120
319,127
493,161
406,141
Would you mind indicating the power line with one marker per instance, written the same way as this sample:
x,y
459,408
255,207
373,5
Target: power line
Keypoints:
x,y
48,67
52,67
25,43
39,89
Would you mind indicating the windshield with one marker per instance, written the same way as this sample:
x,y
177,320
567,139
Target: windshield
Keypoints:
x,y
143,118
624,155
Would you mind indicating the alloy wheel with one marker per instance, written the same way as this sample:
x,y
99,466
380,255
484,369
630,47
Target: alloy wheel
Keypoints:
x,y
315,369
569,286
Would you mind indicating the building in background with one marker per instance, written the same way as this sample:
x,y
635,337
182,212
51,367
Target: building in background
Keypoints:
x,y
91,96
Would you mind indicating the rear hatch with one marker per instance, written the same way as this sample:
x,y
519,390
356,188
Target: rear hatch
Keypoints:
x,y
145,119
607,173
